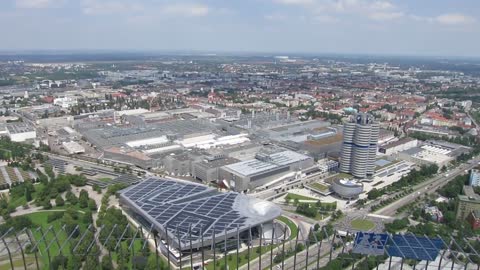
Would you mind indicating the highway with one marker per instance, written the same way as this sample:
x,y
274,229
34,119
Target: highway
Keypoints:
x,y
427,187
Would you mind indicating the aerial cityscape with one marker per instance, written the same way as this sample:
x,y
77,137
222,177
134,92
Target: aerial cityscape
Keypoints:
x,y
223,158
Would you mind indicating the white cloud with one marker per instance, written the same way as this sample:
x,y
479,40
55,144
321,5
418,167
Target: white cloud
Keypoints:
x,y
37,3
385,16
133,8
189,10
275,17
329,9
295,2
454,19
450,19
324,19
100,7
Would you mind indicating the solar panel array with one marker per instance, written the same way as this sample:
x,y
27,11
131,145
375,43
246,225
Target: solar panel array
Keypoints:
x,y
127,179
413,247
181,206
57,164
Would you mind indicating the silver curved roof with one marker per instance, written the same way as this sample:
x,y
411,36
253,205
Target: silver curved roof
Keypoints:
x,y
178,206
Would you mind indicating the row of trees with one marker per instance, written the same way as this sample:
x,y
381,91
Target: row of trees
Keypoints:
x,y
411,179
311,210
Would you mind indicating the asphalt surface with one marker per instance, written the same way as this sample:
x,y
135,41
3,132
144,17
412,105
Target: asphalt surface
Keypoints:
x,y
427,187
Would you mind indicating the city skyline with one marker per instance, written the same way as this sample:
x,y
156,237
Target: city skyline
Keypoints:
x,y
429,28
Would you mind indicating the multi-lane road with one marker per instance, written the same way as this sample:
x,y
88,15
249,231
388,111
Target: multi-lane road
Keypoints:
x,y
427,187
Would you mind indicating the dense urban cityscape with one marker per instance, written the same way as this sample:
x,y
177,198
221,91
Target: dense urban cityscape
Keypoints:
x,y
223,161
240,135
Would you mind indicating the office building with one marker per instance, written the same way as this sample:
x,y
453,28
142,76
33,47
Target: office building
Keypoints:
x,y
360,138
467,203
263,169
474,179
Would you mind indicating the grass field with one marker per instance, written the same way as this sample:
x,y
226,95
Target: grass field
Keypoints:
x,y
362,224
21,200
105,179
293,196
293,228
338,176
18,263
320,187
40,220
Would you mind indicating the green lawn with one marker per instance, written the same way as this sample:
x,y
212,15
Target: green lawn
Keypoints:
x,y
18,263
338,176
362,224
293,196
291,225
320,187
40,220
232,258
105,179
19,201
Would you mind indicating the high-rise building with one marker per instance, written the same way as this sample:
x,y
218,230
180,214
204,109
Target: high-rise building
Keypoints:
x,y
474,178
360,138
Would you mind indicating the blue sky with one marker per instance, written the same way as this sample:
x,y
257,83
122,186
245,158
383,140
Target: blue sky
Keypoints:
x,y
411,27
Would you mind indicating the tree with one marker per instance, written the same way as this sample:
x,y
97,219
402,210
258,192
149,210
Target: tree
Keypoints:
x,y
71,198
83,199
300,247
97,188
59,262
28,194
47,204
92,205
107,263
49,171
59,200
87,217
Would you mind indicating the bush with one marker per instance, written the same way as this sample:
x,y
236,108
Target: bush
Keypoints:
x,y
59,200
55,216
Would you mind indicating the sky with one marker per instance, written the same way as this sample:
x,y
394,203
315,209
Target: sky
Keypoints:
x,y
379,27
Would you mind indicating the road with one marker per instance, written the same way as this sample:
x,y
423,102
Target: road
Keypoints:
x,y
427,187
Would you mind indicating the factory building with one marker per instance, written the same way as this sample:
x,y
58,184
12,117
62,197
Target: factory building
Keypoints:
x,y
263,169
398,146
208,170
73,148
20,132
433,152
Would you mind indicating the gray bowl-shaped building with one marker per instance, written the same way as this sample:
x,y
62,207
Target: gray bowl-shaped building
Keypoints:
x,y
347,188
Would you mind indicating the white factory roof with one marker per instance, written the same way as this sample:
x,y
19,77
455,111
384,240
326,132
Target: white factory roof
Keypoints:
x,y
132,112
435,149
210,140
255,166
73,147
69,130
162,149
433,155
151,141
